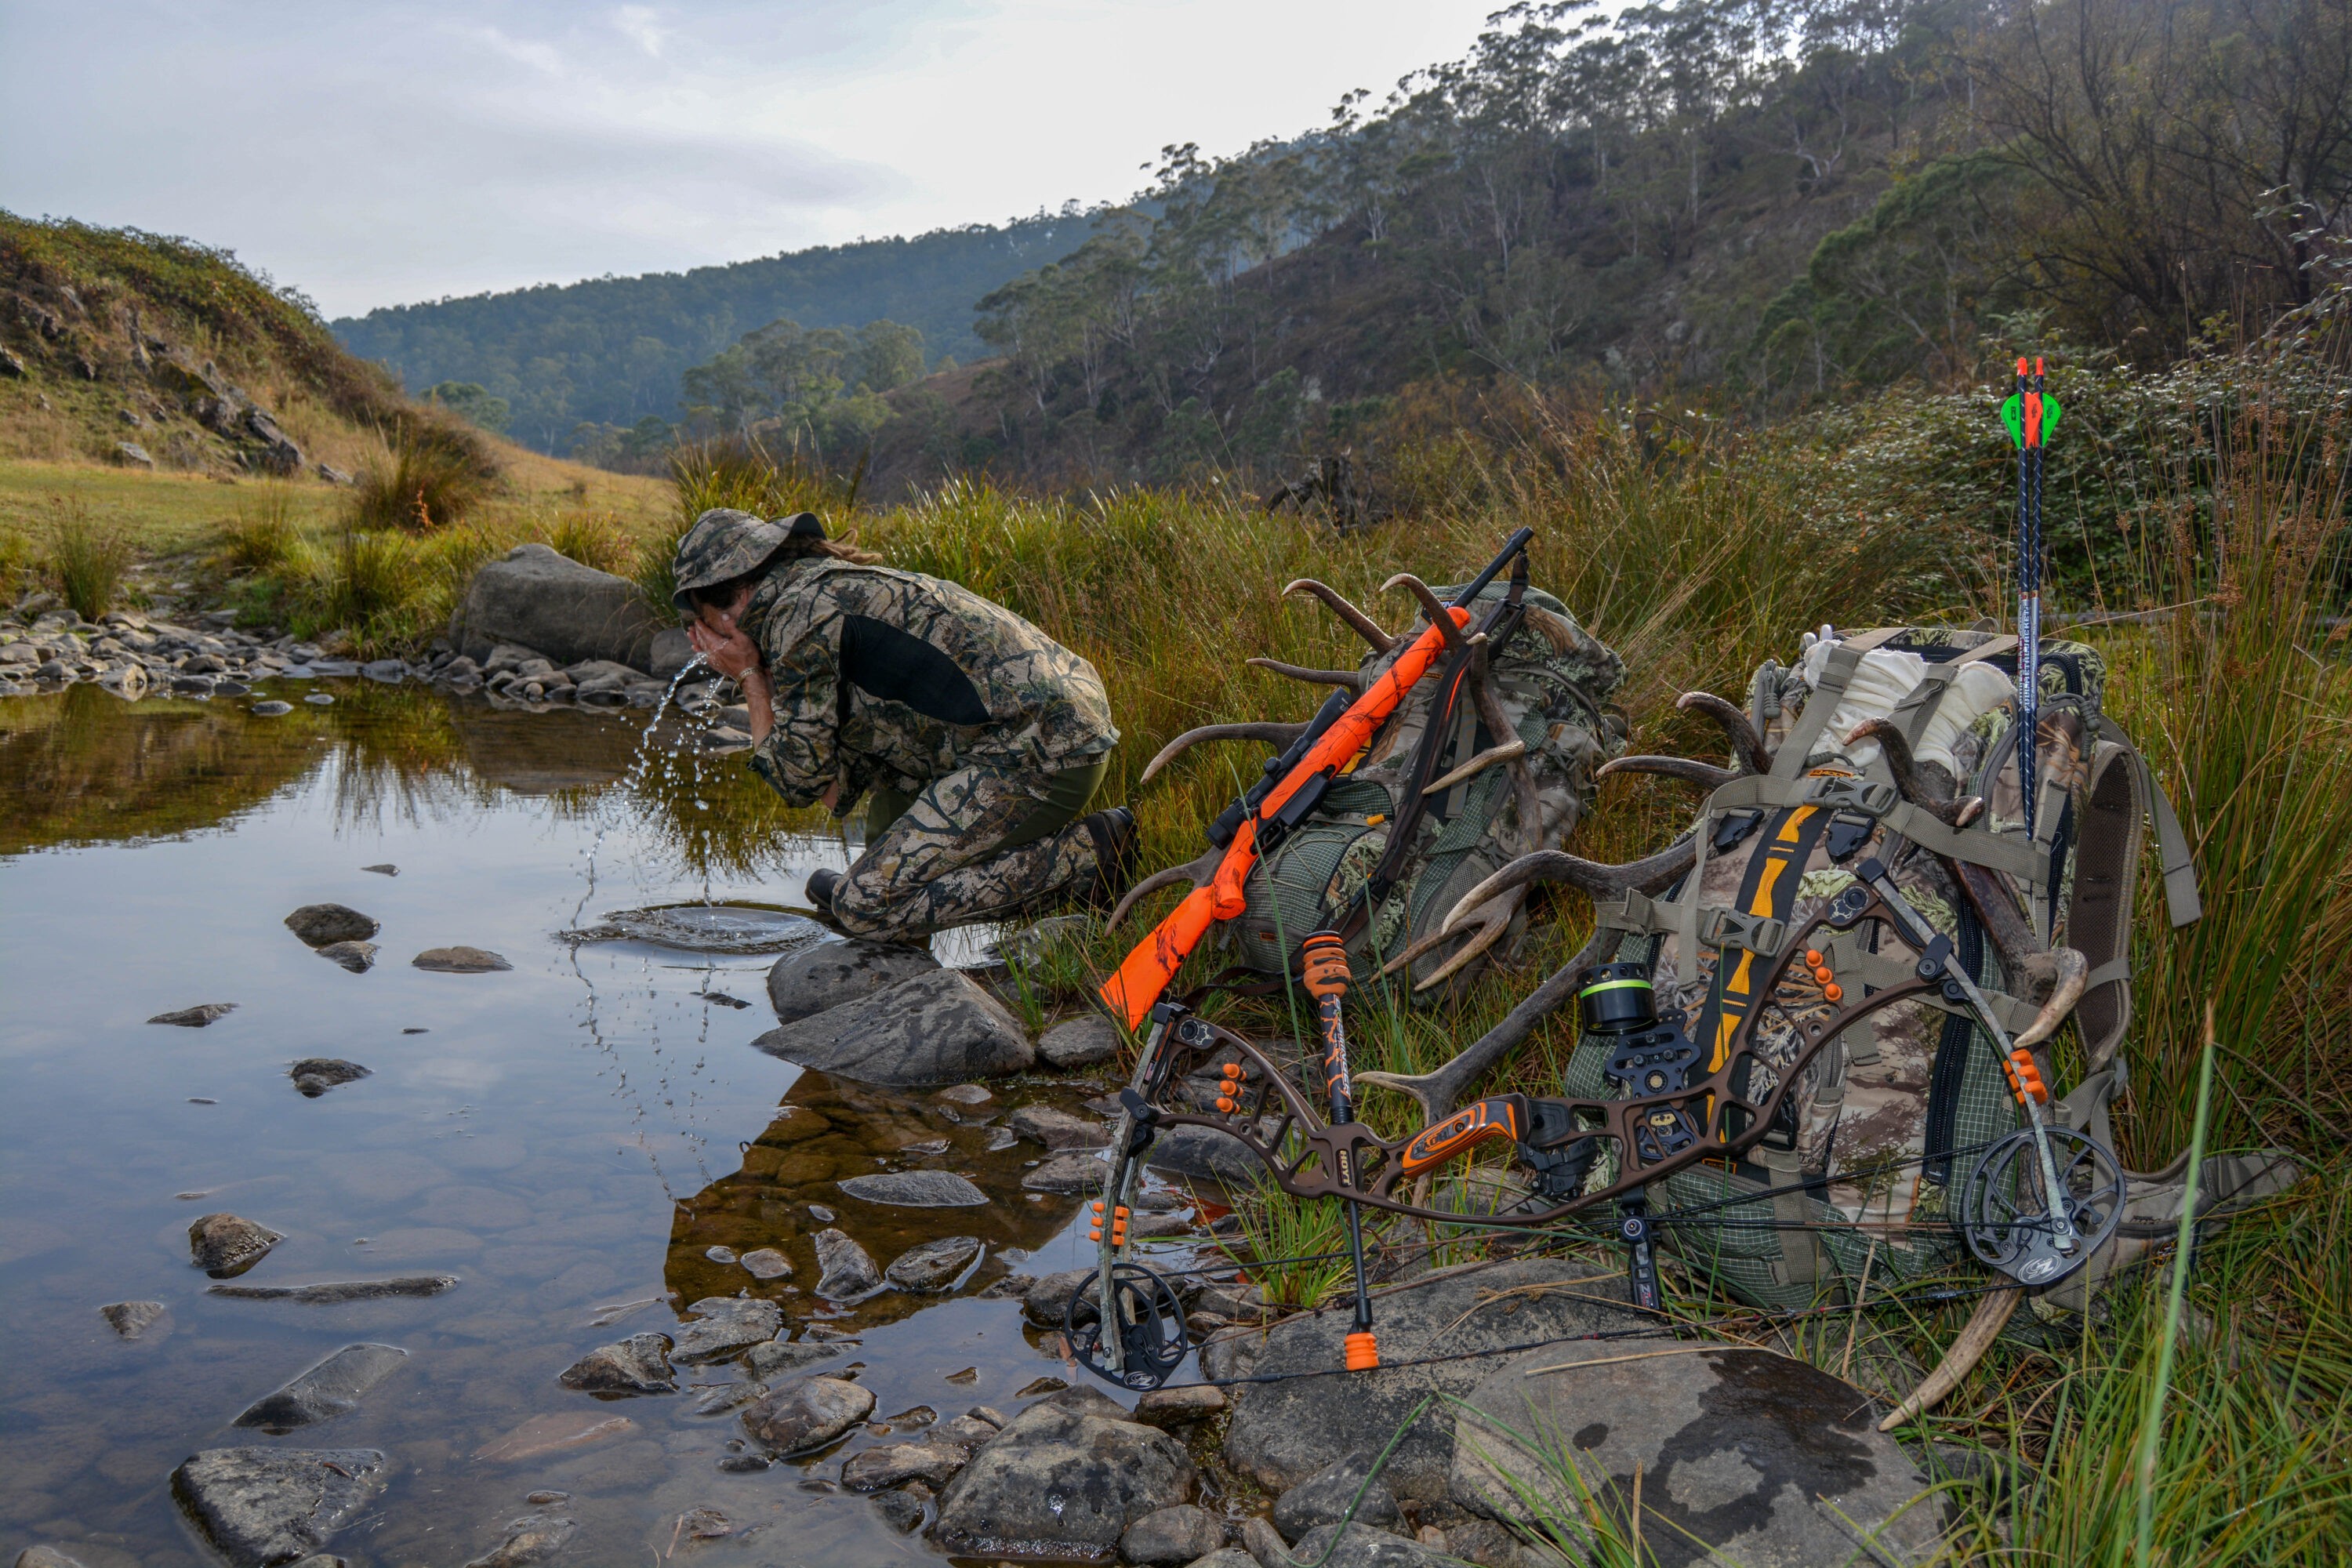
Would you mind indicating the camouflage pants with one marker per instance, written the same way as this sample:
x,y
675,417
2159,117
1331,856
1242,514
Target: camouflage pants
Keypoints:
x,y
981,844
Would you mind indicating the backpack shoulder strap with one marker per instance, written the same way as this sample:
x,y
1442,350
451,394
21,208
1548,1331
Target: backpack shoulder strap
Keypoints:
x,y
1836,674
1913,714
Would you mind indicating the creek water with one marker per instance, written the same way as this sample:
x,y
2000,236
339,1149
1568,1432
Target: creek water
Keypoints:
x,y
567,1137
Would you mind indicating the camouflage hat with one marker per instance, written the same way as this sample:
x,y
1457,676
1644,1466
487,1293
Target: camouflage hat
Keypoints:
x,y
724,544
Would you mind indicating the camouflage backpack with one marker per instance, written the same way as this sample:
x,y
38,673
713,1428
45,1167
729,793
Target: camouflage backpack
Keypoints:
x,y
1549,681
1857,1172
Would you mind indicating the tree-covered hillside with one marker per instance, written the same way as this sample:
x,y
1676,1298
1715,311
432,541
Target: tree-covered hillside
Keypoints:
x,y
612,350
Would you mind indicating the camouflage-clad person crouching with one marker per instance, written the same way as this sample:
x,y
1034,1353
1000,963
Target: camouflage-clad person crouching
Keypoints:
x,y
976,739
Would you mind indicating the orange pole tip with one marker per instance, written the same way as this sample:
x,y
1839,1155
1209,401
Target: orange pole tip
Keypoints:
x,y
1363,1351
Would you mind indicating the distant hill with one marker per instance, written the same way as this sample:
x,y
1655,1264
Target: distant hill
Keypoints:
x,y
611,350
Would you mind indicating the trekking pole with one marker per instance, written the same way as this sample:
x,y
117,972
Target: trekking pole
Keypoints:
x,y
1323,962
2031,417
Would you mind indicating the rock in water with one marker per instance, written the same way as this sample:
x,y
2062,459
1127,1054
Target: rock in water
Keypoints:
x,y
767,1263
1076,1172
270,708
723,1325
459,960
386,869
46,1557
936,1028
714,928
1057,1129
845,1270
1325,1498
1172,1536
314,1075
1282,1433
320,924
259,1506
638,1364
932,1264
808,1415
532,1539
132,1320
817,979
1204,1155
1745,1456
1067,1477
773,1359
895,1464
916,1190
359,957
335,1292
196,1018
224,1246
566,611
1080,1043
330,1389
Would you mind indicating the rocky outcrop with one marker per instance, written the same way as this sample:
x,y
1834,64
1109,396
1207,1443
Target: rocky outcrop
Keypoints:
x,y
814,980
936,1028
568,612
1067,1477
260,1506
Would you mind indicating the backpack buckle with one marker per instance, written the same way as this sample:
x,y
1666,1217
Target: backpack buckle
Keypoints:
x,y
1761,934
1872,797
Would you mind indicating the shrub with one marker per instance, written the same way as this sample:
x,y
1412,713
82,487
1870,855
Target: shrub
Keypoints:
x,y
86,558
427,477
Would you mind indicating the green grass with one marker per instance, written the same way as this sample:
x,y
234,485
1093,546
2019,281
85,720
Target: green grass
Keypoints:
x,y
86,558
427,477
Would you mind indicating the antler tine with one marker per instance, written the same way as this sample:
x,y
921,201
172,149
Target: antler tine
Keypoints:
x,y
1498,724
1494,919
2014,940
1439,1091
1476,766
1363,624
1904,771
1431,605
1690,770
1347,677
1197,872
1598,880
1272,734
2073,969
1976,1338
1747,749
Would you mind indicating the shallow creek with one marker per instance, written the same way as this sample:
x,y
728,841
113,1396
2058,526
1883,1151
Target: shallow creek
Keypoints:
x,y
567,1138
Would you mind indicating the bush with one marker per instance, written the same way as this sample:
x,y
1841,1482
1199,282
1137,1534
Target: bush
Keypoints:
x,y
427,477
86,558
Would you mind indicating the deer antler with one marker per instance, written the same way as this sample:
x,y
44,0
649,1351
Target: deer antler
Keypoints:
x,y
1690,770
1909,780
2065,990
1347,677
1747,753
1363,624
1976,1338
1441,1090
1197,872
1272,734
1431,607
1600,881
1514,747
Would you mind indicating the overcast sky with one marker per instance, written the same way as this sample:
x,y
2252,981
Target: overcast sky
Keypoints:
x,y
381,152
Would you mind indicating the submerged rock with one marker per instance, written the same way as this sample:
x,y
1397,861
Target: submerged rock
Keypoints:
x,y
932,1264
196,1018
895,1464
335,1292
224,1246
270,708
817,979
134,1320
936,1028
532,1539
459,960
638,1364
330,1389
259,1506
846,1271
723,1325
916,1190
771,1360
1068,1477
314,1075
359,957
808,1415
320,924
767,1263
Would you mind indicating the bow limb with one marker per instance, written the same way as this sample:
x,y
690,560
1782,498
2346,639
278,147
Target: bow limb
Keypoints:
x,y
1983,1328
1347,677
1747,753
1439,1092
1197,872
1706,776
1272,734
1362,624
1592,877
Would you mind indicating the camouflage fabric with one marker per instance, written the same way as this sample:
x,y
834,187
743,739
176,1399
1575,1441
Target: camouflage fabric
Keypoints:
x,y
997,693
724,544
937,865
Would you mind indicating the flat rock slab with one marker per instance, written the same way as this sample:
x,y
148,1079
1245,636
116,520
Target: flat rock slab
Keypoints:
x,y
933,1264
766,1263
224,1246
459,960
137,1320
817,979
1067,1478
330,1389
938,1027
334,1292
808,1415
558,1434
196,1018
1744,1455
638,1364
1283,1432
916,1190
723,1325
262,1506
1080,1043
320,924
895,1464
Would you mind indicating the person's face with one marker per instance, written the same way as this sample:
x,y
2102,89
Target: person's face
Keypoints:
x,y
722,617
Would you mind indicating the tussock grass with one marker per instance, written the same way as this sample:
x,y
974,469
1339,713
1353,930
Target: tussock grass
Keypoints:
x,y
88,558
264,534
425,476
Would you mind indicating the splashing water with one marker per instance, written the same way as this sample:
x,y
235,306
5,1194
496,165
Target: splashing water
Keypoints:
x,y
631,781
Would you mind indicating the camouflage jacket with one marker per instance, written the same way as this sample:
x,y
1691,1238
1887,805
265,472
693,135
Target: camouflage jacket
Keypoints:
x,y
896,678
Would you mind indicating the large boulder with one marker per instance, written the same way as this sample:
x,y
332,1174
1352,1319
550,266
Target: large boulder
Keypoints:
x,y
568,611
260,1506
1067,1478
935,1028
819,978
1745,1456
1283,1432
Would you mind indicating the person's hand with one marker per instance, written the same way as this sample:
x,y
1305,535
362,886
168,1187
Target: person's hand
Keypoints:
x,y
724,645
